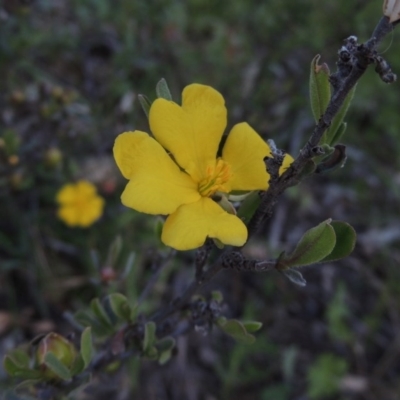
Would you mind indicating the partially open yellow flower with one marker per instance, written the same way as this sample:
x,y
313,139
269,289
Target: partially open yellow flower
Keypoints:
x,y
182,182
80,205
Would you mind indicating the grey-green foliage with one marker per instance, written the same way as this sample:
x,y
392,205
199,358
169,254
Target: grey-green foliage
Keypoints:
x,y
324,376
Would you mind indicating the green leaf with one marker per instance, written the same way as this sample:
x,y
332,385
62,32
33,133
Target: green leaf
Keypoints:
x,y
320,88
217,296
252,326
100,312
162,90
56,366
324,376
345,241
151,353
249,206
236,329
86,346
114,251
315,245
10,366
120,306
78,366
86,318
166,343
134,312
20,358
295,277
339,133
332,132
164,356
149,336
145,103
165,347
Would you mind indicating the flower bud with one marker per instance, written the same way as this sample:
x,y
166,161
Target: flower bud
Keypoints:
x,y
53,157
62,348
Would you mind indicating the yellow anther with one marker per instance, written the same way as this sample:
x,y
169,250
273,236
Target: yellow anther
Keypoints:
x,y
216,178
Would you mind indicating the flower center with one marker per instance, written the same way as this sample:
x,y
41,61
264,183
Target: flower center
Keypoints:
x,y
216,178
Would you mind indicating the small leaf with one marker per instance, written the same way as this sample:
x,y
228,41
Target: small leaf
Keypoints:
x,y
151,353
252,326
165,347
20,358
320,88
249,206
145,103
119,305
166,343
134,312
315,245
78,366
162,90
236,329
86,318
56,366
100,312
339,133
164,357
331,133
295,277
10,366
149,335
86,346
114,251
345,241
217,296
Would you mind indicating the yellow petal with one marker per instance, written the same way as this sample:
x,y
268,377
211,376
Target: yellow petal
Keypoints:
x,y
189,226
66,194
244,151
91,212
130,151
287,161
192,133
69,215
157,185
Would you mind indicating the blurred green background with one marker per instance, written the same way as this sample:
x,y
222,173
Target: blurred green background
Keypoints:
x,y
70,74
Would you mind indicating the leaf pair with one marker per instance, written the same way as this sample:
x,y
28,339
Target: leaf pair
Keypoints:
x,y
328,241
156,349
239,330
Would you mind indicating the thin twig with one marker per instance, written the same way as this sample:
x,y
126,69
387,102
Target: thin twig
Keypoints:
x,y
344,80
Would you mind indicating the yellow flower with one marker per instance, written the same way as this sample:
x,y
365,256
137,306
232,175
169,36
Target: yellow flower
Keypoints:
x,y
182,182
80,205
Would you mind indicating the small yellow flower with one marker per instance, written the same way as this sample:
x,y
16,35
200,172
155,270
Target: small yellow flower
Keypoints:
x,y
80,205
182,182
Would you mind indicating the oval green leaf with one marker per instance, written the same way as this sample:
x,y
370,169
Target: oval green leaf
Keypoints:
x,y
345,241
252,326
316,244
236,329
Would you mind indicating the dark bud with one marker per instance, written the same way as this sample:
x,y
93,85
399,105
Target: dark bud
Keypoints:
x,y
336,160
